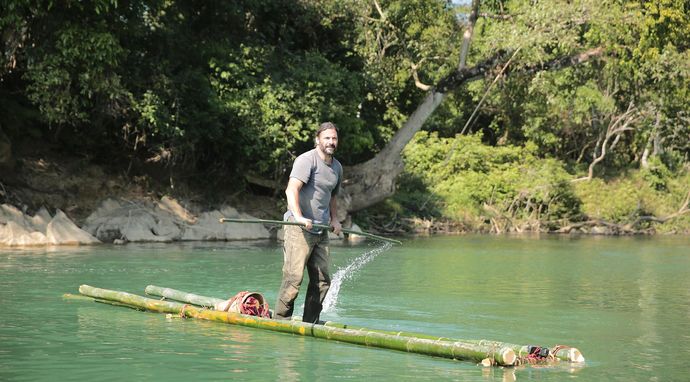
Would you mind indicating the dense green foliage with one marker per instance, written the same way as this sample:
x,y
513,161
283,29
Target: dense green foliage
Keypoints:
x,y
215,90
509,188
641,193
194,84
471,177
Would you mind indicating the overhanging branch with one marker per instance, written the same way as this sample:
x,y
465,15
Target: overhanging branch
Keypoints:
x,y
458,77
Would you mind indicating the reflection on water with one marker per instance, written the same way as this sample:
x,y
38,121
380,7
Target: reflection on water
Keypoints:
x,y
624,302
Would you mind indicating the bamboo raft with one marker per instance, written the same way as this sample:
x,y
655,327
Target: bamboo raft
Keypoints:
x,y
189,305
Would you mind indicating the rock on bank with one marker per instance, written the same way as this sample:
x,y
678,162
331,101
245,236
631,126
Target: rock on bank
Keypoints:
x,y
123,221
19,229
165,221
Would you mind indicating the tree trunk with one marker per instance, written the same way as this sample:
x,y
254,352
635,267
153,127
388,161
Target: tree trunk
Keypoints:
x,y
373,181
652,142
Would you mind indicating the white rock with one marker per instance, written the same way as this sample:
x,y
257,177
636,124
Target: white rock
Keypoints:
x,y
40,229
13,234
123,221
231,212
173,207
167,220
209,227
114,220
9,213
166,226
40,220
138,226
333,236
61,230
354,238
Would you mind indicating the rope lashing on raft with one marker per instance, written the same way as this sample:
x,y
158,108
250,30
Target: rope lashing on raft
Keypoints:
x,y
182,312
557,349
537,354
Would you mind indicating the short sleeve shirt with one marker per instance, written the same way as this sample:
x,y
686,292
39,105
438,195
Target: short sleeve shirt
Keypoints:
x,y
321,182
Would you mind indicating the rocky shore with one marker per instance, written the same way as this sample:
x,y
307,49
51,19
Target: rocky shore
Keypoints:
x,y
122,221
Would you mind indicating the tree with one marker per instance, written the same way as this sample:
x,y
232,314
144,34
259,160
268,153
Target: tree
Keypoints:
x,y
233,90
374,180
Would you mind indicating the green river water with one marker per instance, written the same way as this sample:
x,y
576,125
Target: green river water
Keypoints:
x,y
624,302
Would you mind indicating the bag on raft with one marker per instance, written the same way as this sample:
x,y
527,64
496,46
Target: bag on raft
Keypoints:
x,y
250,303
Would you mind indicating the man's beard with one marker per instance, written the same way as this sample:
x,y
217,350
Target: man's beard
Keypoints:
x,y
330,149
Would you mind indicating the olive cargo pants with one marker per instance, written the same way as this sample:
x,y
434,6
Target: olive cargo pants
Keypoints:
x,y
301,249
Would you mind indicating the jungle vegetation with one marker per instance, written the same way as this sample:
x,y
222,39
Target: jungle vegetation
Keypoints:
x,y
500,116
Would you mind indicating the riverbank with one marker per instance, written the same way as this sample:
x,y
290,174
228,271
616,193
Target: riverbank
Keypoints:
x,y
50,198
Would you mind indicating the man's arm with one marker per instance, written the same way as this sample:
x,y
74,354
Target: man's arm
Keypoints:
x,y
292,193
335,223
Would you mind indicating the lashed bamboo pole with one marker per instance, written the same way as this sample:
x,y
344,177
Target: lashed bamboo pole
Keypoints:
x,y
563,353
446,349
318,226
178,295
569,354
205,301
79,297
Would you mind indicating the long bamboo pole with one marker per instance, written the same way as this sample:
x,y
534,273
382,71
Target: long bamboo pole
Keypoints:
x,y
209,302
319,226
178,295
79,297
446,349
569,354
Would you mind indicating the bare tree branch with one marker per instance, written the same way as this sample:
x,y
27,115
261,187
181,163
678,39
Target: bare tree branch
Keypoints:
x,y
682,210
380,11
467,35
617,126
415,76
458,77
582,152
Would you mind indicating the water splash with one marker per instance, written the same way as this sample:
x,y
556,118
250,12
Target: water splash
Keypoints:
x,y
348,272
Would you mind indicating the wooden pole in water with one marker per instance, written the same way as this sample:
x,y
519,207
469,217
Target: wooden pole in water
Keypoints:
x,y
446,349
318,226
567,353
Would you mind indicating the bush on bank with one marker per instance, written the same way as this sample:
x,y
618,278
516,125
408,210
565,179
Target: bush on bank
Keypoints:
x,y
466,185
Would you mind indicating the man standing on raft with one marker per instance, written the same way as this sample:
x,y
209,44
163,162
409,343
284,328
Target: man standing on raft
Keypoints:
x,y
311,196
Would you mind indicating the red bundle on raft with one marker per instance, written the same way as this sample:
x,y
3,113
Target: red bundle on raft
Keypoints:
x,y
246,302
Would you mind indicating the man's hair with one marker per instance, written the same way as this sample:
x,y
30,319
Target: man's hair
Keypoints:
x,y
325,126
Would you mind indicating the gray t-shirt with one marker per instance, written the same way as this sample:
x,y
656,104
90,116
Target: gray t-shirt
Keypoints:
x,y
321,181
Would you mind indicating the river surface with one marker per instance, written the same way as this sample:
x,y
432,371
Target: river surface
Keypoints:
x,y
624,302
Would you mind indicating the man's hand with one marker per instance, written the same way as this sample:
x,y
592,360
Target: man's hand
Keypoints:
x,y
307,223
336,227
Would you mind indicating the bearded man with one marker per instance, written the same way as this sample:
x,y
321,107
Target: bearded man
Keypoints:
x,y
311,197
